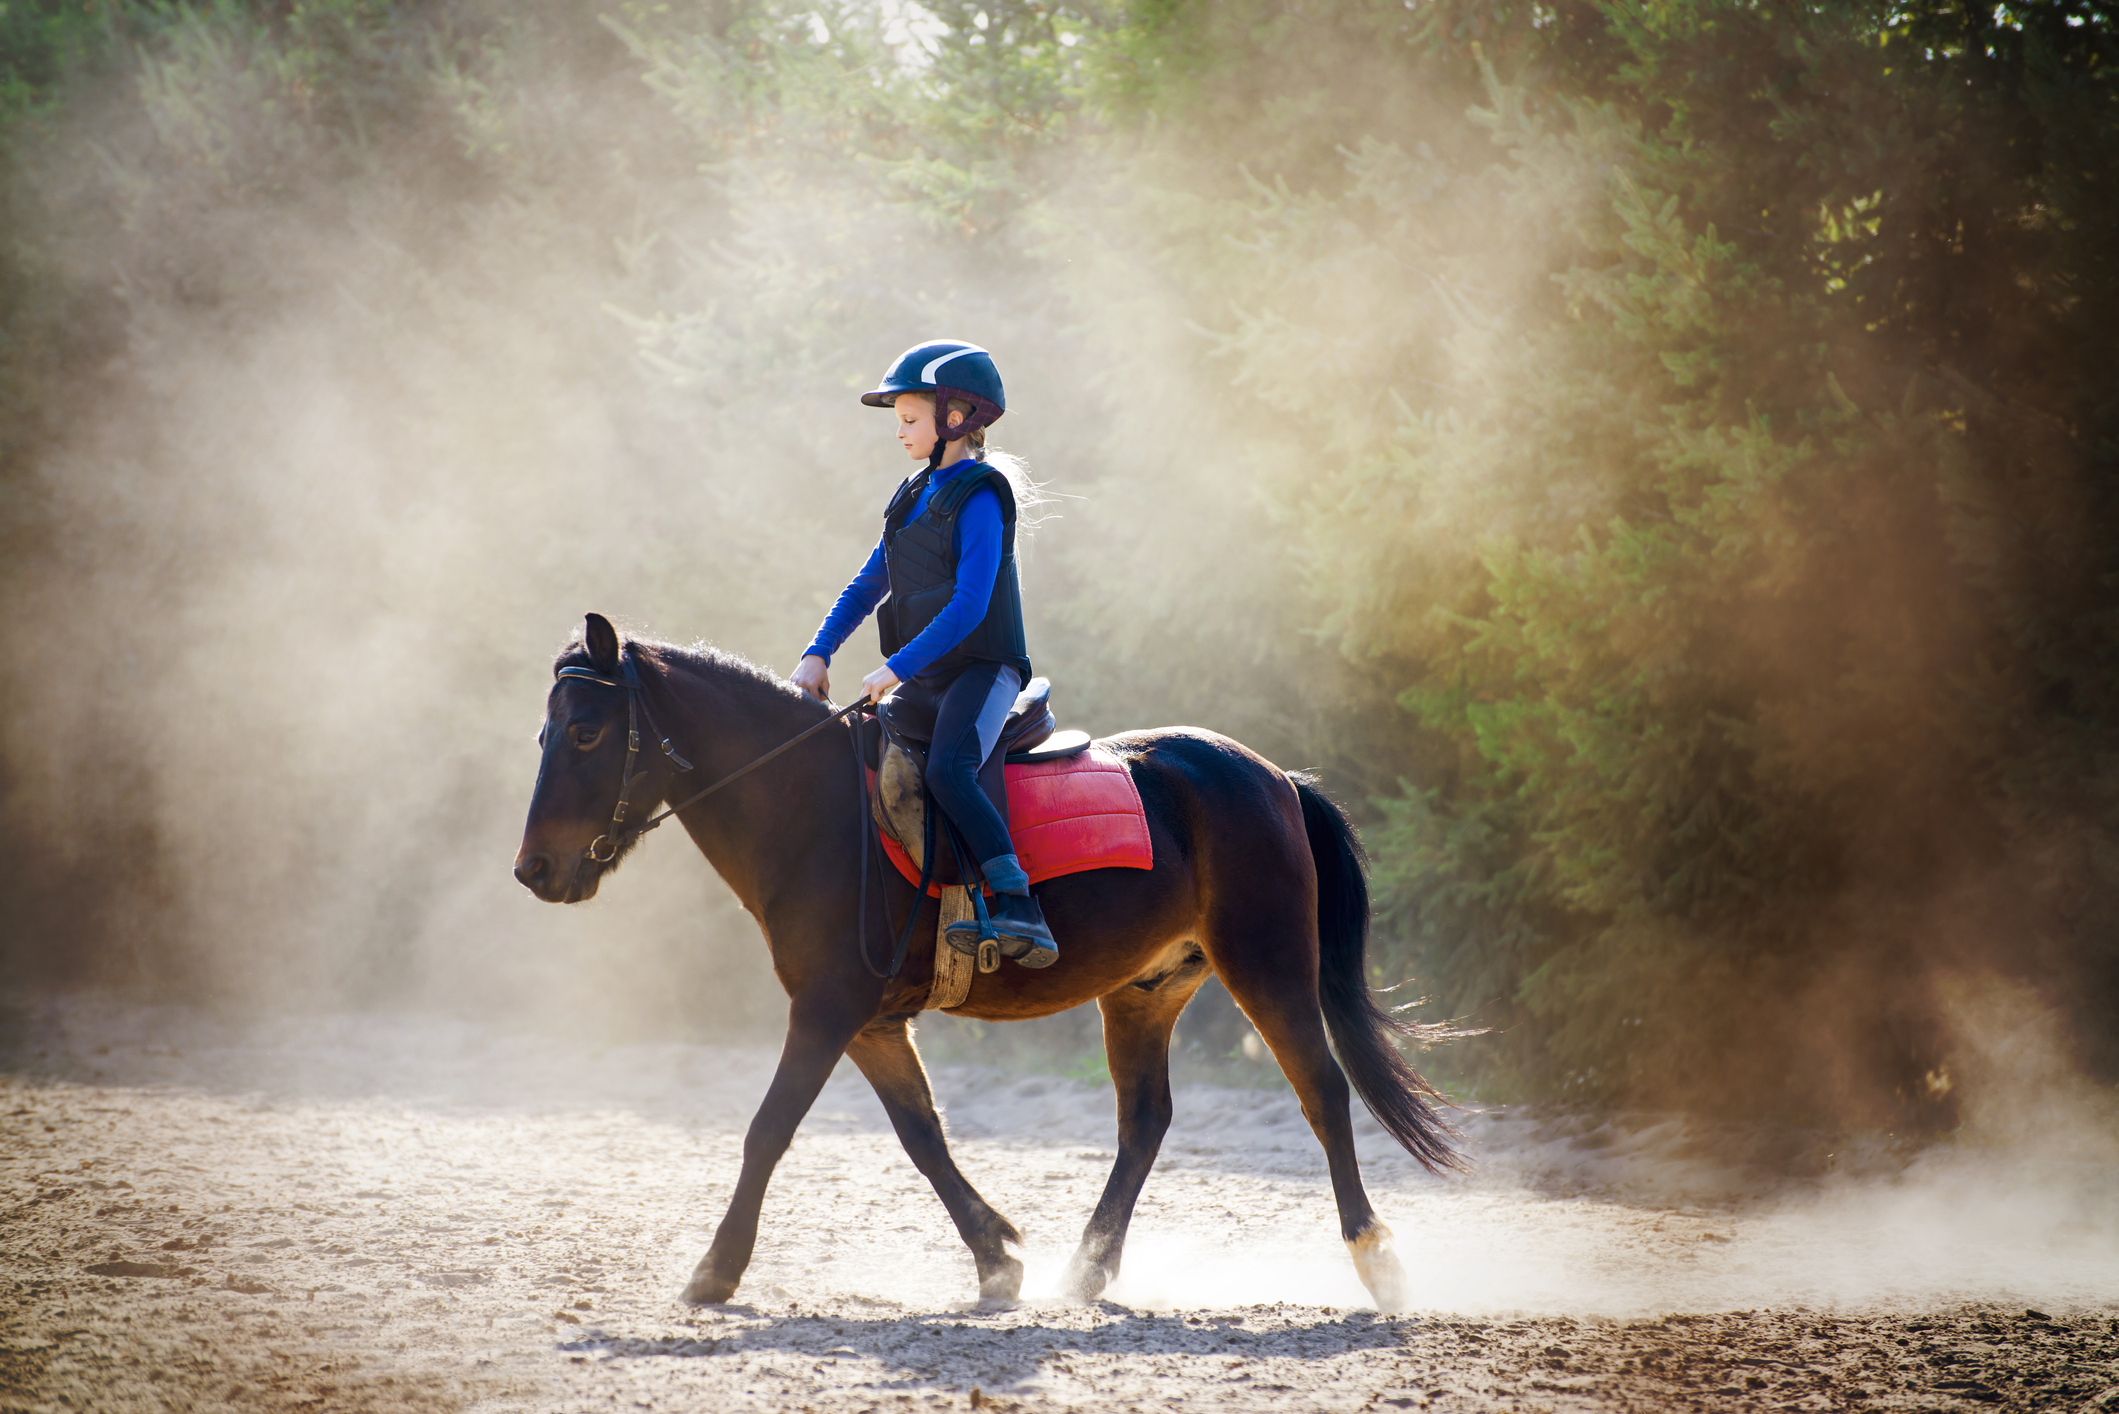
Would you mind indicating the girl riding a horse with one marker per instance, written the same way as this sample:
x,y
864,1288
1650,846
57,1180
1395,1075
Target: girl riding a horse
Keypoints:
x,y
1256,876
952,624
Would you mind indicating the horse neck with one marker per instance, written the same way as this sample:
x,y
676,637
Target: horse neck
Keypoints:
x,y
722,722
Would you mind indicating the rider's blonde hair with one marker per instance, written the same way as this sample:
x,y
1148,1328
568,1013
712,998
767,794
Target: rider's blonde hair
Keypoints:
x,y
1030,497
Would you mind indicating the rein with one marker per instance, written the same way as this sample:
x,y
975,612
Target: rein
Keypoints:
x,y
611,842
636,703
871,855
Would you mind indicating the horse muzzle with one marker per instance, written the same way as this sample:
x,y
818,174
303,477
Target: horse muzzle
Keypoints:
x,y
554,880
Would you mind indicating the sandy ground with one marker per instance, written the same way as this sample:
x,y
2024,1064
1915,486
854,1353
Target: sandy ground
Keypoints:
x,y
368,1213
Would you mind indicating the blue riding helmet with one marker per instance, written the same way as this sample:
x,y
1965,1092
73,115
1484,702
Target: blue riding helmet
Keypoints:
x,y
947,368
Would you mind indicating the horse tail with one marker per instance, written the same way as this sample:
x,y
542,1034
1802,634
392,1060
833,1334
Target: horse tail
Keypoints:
x,y
1403,1103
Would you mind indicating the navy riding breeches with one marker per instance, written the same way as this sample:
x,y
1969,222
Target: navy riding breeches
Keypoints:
x,y
963,769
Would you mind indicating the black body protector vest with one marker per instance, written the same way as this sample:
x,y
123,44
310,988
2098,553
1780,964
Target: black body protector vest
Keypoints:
x,y
921,558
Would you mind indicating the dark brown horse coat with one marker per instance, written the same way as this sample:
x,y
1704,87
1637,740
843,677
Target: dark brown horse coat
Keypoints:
x,y
1258,879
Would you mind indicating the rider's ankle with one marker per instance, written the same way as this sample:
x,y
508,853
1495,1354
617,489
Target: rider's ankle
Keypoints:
x,y
1004,874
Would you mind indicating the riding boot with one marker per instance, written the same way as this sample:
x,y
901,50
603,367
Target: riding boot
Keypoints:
x,y
1025,937
1013,921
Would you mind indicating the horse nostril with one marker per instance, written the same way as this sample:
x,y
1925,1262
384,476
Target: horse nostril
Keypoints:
x,y
532,873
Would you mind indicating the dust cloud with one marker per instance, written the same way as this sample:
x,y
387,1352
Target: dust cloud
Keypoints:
x,y
353,414
362,431
353,431
353,435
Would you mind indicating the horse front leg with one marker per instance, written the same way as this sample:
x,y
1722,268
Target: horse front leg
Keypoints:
x,y
1137,1028
886,1055
816,1037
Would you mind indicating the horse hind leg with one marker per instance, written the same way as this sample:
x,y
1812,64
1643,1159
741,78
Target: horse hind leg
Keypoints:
x,y
1267,957
886,1055
1138,1018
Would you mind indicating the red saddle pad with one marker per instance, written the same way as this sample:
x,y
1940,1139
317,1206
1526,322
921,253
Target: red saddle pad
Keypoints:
x,y
1083,812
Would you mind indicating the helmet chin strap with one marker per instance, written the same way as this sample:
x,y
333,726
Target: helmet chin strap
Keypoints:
x,y
982,414
942,439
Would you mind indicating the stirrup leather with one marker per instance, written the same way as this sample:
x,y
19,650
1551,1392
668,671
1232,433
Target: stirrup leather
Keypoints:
x,y
976,936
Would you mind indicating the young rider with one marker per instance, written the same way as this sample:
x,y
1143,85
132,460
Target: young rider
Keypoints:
x,y
952,626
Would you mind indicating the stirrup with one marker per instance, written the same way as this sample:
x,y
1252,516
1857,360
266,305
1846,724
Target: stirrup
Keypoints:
x,y
976,937
984,940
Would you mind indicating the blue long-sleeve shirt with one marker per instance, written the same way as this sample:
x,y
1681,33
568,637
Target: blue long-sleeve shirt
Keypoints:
x,y
978,560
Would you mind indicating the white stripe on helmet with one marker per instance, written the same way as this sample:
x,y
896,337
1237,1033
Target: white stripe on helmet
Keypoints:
x,y
927,373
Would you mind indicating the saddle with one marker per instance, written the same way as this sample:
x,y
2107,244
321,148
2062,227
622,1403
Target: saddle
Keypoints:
x,y
896,741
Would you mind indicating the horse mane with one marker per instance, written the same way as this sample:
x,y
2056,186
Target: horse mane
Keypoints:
x,y
699,663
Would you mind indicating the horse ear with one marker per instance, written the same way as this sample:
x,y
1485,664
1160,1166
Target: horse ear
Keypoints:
x,y
602,642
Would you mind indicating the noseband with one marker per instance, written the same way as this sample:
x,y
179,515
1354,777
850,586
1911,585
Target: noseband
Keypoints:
x,y
635,709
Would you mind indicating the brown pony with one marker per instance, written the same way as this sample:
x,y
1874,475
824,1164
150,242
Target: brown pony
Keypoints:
x,y
1258,880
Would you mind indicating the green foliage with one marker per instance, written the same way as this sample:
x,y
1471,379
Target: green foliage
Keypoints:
x,y
41,43
1666,465
1657,454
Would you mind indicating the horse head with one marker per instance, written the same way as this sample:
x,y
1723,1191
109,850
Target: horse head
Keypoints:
x,y
571,840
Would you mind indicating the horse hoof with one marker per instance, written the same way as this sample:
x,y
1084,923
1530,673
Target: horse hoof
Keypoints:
x,y
1376,1262
1085,1281
1001,1282
708,1287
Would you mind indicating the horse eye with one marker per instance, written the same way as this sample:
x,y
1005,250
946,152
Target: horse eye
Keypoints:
x,y
586,736
542,731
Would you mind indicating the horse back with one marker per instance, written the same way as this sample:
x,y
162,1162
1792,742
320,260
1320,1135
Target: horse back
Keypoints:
x,y
1219,817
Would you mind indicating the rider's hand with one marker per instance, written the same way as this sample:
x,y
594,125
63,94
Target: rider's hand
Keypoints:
x,y
813,676
879,683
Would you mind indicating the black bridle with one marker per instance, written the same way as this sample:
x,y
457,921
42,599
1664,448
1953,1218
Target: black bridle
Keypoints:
x,y
636,709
